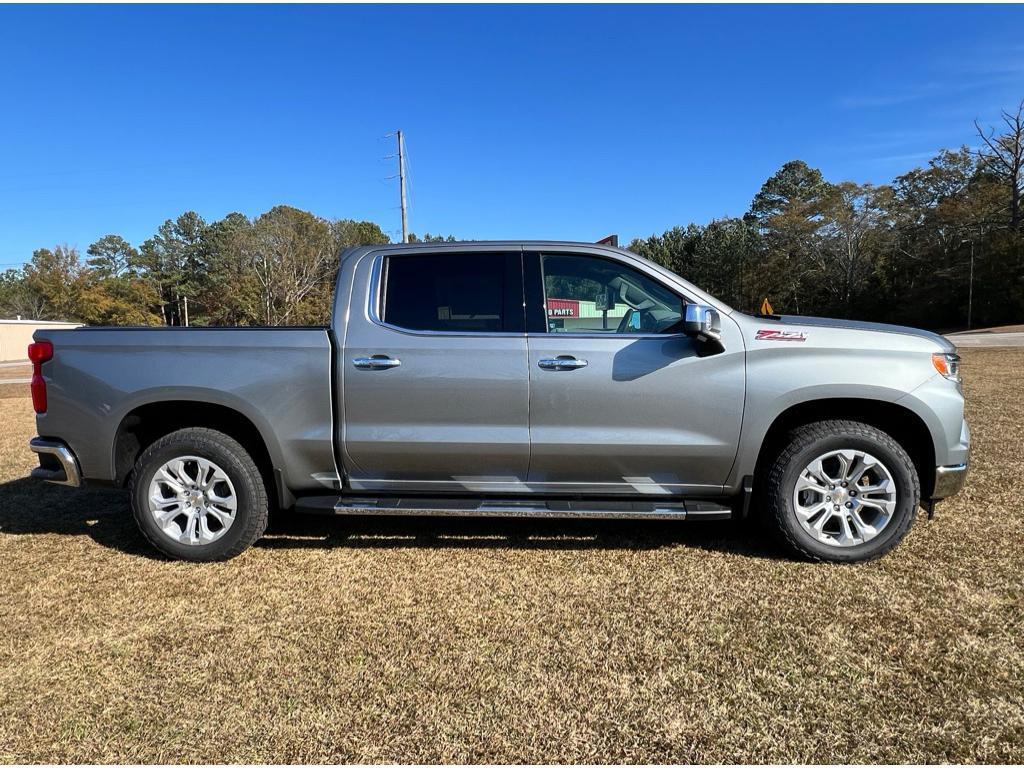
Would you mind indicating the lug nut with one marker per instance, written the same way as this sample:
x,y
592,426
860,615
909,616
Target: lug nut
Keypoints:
x,y
844,484
828,498
836,507
853,493
849,505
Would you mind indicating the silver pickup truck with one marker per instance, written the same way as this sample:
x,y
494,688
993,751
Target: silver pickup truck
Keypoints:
x,y
513,379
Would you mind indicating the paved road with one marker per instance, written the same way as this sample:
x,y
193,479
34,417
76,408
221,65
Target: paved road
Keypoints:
x,y
987,339
15,373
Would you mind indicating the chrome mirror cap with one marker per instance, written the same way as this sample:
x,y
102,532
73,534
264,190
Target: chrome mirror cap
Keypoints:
x,y
702,322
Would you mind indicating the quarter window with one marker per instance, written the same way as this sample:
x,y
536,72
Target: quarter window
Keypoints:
x,y
587,294
454,292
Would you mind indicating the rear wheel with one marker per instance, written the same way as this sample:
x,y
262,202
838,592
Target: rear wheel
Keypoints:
x,y
197,495
842,491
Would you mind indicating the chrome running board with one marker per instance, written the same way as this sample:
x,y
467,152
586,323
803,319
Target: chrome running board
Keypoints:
x,y
454,507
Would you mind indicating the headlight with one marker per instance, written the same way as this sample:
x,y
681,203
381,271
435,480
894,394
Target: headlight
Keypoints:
x,y
948,365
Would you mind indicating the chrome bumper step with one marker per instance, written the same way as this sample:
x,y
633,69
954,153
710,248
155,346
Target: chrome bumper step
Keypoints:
x,y
550,508
57,463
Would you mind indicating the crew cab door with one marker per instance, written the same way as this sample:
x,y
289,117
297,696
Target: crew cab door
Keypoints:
x,y
433,372
621,401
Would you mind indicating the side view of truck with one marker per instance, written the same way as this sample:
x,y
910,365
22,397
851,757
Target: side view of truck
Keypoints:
x,y
511,379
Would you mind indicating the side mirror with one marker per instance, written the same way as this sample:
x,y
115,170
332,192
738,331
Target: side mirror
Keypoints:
x,y
702,322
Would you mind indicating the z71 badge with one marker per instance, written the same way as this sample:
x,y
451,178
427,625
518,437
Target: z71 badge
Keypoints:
x,y
768,335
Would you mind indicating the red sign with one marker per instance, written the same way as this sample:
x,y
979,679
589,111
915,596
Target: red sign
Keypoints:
x,y
563,308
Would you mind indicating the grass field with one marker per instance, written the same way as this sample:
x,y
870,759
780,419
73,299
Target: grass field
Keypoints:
x,y
433,640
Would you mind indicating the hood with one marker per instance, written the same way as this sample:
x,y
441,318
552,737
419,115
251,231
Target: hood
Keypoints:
x,y
863,325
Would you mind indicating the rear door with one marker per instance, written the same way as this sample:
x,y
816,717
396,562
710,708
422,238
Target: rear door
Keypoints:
x,y
435,385
622,402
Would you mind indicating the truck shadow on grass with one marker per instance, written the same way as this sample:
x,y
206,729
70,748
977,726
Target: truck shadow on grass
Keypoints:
x,y
30,507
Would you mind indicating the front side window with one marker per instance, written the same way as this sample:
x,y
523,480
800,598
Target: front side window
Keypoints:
x,y
453,292
588,294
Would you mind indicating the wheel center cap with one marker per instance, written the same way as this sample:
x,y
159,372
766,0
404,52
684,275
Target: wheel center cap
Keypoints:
x,y
841,496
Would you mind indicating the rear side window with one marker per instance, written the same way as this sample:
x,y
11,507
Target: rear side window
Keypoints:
x,y
454,292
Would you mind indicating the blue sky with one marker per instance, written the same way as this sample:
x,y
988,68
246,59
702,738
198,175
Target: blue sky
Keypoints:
x,y
522,121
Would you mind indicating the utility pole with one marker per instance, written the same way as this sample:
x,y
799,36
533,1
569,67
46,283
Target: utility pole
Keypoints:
x,y
185,299
401,184
970,284
970,289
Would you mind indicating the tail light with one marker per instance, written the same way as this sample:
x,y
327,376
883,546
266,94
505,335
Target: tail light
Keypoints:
x,y
38,353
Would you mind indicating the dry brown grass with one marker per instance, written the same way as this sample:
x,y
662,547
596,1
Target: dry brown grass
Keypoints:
x,y
405,640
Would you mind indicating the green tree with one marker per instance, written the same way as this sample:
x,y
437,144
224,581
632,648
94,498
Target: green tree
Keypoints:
x,y
294,254
117,300
853,228
348,233
718,258
788,213
53,279
229,295
174,260
429,238
112,256
17,299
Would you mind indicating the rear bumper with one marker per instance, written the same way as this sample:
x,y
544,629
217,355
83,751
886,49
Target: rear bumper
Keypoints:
x,y
57,462
949,480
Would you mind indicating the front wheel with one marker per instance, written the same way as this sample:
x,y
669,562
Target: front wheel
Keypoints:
x,y
197,495
842,491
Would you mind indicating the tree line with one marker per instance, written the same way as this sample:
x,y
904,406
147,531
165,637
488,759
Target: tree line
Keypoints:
x,y
275,269
911,252
915,251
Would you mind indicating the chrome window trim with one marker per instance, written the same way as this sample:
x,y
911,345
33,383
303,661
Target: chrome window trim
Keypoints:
x,y
375,295
611,335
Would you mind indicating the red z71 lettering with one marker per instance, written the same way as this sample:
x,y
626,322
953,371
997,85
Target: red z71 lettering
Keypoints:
x,y
768,335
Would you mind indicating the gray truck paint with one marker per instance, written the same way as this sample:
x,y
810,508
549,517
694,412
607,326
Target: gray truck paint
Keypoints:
x,y
279,379
473,413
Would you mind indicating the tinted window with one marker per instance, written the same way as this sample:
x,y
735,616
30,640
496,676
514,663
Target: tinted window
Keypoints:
x,y
455,292
587,294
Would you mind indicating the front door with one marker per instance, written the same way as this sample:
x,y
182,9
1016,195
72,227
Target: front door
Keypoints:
x,y
621,402
435,388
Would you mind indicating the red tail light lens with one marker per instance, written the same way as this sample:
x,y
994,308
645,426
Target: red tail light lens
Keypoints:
x,y
39,352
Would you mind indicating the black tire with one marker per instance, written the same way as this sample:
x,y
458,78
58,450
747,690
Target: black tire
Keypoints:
x,y
250,518
802,446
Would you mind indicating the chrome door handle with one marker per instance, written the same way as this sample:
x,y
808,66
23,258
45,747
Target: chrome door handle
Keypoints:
x,y
376,363
561,363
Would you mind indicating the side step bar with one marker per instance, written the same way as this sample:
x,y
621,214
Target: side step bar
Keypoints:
x,y
650,510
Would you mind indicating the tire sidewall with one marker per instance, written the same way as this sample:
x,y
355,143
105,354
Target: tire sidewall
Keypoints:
x,y
898,464
172,447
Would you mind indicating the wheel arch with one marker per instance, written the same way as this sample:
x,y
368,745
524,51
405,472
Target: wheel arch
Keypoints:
x,y
148,422
901,423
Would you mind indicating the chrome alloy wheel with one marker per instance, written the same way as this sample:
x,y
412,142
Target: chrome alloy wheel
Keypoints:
x,y
192,500
844,498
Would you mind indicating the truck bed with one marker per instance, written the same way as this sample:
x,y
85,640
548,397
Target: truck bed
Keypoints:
x,y
279,379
